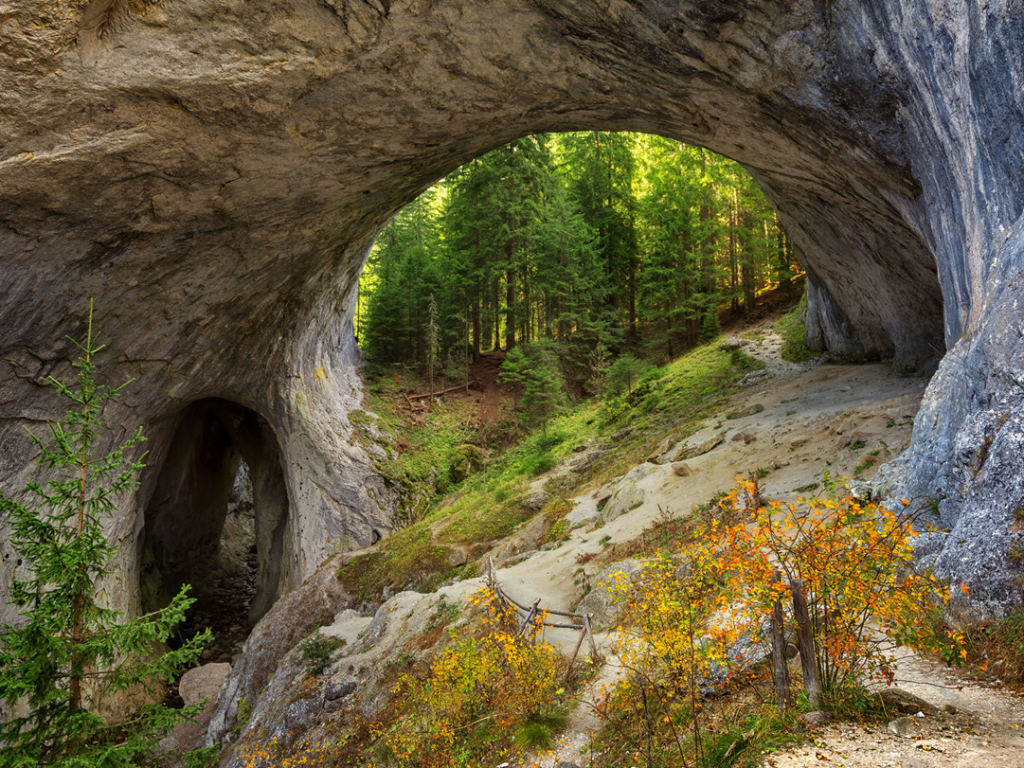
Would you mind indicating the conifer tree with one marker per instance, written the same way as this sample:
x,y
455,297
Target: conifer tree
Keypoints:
x,y
69,652
544,388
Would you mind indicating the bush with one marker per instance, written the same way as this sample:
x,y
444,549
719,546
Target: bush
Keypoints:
x,y
481,690
624,374
538,463
686,613
316,652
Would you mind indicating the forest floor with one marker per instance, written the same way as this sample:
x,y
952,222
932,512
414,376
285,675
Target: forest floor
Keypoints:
x,y
491,392
977,726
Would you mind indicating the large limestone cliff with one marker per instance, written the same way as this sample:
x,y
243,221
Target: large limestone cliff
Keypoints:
x,y
212,173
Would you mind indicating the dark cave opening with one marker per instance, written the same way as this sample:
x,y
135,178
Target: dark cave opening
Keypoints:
x,y
217,520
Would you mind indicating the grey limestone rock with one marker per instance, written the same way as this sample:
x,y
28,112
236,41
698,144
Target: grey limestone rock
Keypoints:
x,y
213,175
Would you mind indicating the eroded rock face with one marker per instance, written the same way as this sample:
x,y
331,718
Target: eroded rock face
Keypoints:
x,y
213,173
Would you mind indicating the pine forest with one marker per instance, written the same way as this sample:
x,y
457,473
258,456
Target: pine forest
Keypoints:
x,y
597,243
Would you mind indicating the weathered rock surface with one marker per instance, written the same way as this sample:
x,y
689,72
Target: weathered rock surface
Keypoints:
x,y
213,175
293,617
202,683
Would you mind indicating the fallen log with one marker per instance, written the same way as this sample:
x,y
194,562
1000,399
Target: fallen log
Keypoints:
x,y
442,392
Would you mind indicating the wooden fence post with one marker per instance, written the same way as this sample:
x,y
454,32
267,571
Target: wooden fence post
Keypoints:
x,y
805,642
779,666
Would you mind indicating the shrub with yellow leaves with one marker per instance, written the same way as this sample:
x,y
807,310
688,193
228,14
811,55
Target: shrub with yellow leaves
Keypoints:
x,y
683,618
855,561
478,692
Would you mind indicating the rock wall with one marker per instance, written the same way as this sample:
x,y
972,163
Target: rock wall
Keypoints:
x,y
212,173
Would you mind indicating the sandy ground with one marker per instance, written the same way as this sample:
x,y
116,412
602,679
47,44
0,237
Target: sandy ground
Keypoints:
x,y
982,730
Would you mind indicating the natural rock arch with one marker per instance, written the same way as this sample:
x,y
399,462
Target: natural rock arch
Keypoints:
x,y
213,174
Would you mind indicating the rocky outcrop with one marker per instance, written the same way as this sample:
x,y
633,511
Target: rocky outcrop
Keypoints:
x,y
214,173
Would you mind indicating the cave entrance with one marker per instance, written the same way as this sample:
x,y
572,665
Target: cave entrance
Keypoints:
x,y
217,520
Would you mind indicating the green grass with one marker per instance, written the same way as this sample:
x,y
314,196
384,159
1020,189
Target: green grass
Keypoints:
x,y
488,505
409,558
421,464
791,327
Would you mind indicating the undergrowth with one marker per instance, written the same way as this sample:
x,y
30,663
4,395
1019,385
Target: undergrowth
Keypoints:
x,y
791,327
488,505
997,650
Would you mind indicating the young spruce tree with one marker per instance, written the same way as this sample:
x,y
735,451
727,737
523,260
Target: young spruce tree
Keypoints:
x,y
68,651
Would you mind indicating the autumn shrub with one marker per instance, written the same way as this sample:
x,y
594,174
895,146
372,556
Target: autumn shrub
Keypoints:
x,y
669,644
695,621
490,687
854,560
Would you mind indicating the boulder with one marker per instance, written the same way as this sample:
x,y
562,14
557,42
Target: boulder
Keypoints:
x,y
203,683
536,500
898,700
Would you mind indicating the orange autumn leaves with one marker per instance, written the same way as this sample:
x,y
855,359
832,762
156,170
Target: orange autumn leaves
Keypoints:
x,y
854,559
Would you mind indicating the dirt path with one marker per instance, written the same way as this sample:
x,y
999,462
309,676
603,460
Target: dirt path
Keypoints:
x,y
485,371
981,727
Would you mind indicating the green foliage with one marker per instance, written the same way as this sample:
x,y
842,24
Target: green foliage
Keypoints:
x,y
791,327
69,653
536,370
316,650
624,373
432,454
599,241
409,558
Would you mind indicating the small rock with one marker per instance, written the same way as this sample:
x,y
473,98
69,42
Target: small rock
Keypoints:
x,y
751,378
749,411
536,500
816,718
667,444
745,437
860,489
728,345
456,557
901,726
705,447
682,469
